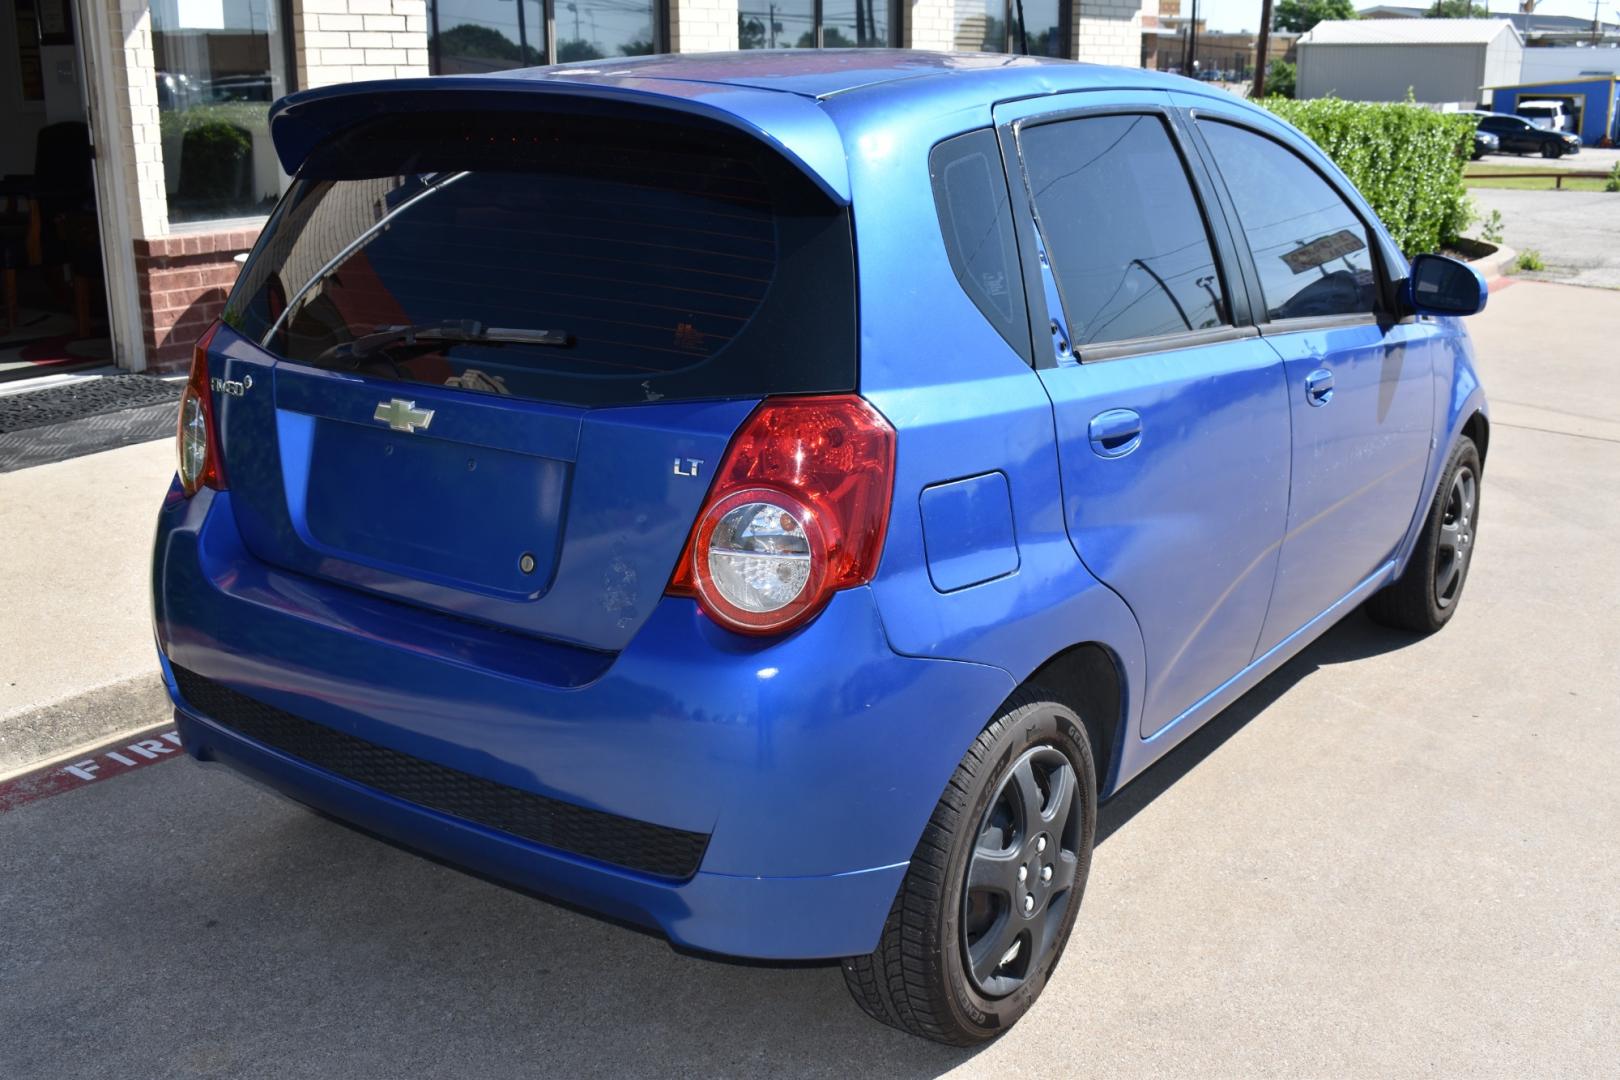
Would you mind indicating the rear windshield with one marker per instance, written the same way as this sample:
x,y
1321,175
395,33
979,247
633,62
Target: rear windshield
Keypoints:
x,y
578,260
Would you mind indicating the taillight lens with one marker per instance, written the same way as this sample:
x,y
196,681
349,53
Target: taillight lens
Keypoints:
x,y
797,511
198,441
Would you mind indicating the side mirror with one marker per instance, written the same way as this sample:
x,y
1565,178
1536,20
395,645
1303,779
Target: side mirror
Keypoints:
x,y
1442,286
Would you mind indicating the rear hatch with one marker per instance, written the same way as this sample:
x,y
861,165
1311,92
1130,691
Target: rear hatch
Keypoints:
x,y
507,348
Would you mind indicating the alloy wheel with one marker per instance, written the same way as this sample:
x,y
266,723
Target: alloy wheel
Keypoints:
x,y
1021,871
1456,537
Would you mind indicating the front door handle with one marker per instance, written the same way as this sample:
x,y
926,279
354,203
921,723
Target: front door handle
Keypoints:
x,y
1116,432
1319,387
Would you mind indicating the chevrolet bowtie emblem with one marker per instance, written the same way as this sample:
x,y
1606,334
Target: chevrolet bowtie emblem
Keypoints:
x,y
402,415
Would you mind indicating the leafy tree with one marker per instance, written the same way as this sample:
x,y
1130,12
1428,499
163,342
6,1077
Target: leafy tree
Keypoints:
x,y
1300,15
1457,9
487,43
1280,78
571,49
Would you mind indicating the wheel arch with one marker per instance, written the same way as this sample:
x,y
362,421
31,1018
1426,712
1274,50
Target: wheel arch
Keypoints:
x,y
1478,428
1089,678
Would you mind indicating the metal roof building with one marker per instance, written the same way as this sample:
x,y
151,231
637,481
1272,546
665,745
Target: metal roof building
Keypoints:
x,y
1439,60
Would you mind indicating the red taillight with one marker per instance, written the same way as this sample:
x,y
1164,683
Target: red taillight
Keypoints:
x,y
797,511
198,436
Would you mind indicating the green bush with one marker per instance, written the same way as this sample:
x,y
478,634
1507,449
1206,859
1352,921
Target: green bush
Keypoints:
x,y
1407,162
1613,181
1530,259
1281,77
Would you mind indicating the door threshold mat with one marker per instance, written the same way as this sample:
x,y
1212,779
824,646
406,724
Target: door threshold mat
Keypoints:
x,y
86,435
65,402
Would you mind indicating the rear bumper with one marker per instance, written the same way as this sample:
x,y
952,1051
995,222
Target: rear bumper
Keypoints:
x,y
810,763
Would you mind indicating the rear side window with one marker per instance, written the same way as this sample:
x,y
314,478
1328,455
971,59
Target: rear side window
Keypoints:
x,y
1310,248
578,260
970,194
1128,245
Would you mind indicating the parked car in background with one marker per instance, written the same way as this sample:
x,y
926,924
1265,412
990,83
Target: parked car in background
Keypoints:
x,y
1546,114
1519,136
571,490
1485,143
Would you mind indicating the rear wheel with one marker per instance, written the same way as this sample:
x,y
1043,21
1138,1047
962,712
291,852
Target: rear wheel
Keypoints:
x,y
993,889
1425,596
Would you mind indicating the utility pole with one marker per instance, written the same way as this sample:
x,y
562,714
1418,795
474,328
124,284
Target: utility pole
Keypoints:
x,y
1192,44
1262,47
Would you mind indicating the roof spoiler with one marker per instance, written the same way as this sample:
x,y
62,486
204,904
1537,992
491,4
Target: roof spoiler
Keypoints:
x,y
793,126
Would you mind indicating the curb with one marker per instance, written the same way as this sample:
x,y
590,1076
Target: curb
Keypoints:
x,y
1494,266
49,732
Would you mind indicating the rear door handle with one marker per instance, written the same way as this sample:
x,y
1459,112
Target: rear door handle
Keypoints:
x,y
1116,432
1319,387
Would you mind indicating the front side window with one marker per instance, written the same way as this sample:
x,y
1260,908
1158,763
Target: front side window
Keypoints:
x,y
1022,27
218,68
815,24
1127,242
1311,250
468,37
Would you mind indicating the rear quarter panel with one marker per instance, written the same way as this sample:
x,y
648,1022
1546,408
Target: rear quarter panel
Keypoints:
x,y
964,404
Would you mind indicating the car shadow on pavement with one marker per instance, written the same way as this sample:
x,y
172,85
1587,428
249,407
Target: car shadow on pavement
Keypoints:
x,y
1355,637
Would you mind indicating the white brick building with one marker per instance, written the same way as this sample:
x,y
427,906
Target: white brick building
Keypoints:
x,y
175,94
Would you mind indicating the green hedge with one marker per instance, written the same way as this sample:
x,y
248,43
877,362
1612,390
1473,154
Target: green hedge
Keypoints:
x,y
1407,161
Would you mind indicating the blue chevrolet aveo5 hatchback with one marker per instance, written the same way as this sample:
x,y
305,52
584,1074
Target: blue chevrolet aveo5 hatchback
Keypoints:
x,y
773,498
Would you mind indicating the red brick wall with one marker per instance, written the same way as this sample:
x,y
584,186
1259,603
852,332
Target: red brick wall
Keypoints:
x,y
183,281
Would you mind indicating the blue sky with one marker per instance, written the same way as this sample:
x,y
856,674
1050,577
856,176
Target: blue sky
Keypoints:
x,y
1245,14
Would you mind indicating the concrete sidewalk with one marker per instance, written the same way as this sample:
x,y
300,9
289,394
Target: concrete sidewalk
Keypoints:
x,y
76,636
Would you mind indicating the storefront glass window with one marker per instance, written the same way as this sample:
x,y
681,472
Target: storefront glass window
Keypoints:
x,y
1025,27
219,63
791,24
471,36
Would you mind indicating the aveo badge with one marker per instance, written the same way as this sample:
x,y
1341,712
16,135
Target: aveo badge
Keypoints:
x,y
232,387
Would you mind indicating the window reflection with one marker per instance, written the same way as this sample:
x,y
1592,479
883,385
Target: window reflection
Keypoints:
x,y
791,24
219,65
471,36
1025,27
780,24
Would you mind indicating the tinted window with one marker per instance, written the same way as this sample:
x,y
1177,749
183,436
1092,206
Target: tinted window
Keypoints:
x,y
1127,242
1310,248
663,262
970,193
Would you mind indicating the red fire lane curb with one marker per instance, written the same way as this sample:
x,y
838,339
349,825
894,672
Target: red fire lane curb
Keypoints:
x,y
151,747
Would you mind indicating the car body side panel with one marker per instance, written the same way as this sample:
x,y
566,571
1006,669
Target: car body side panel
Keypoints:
x,y
1458,395
1359,460
963,404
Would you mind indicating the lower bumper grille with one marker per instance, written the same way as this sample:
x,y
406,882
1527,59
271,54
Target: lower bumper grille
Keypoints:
x,y
594,834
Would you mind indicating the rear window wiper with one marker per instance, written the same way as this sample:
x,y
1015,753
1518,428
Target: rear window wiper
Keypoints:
x,y
447,332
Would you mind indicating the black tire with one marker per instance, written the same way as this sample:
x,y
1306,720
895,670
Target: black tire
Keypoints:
x,y
922,978
1551,150
1426,595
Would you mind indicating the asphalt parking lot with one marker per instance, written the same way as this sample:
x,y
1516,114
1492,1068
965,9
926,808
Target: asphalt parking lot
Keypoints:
x,y
1395,857
1577,233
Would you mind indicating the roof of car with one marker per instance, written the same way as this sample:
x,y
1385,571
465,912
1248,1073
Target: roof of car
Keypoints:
x,y
804,102
822,73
